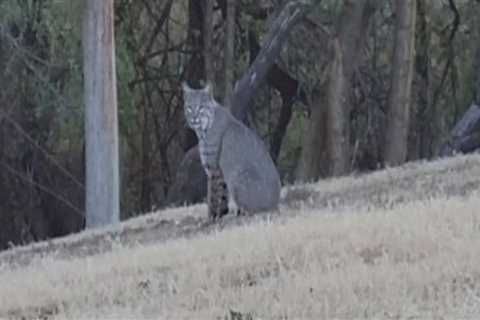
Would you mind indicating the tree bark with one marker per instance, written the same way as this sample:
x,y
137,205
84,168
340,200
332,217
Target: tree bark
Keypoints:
x,y
249,83
229,52
327,133
280,130
476,60
289,89
101,124
314,154
421,142
195,70
196,65
337,115
208,41
213,188
395,147
465,135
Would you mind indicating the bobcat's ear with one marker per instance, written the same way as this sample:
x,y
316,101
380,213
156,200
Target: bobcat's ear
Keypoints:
x,y
208,88
185,87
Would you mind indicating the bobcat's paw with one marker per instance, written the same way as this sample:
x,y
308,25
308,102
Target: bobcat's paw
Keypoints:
x,y
217,215
241,212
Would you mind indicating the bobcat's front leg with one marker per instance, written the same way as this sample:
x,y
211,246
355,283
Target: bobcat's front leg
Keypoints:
x,y
217,194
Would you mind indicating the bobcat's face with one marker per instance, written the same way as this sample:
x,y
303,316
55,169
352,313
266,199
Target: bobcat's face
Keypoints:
x,y
198,108
198,117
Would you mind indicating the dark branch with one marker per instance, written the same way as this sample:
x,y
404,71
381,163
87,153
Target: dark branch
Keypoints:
x,y
158,26
456,19
449,63
465,136
247,86
288,87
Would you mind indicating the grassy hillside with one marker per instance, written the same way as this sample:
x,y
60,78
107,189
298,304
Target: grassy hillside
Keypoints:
x,y
401,243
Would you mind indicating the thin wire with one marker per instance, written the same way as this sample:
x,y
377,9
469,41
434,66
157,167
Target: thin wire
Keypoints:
x,y
43,188
19,128
22,131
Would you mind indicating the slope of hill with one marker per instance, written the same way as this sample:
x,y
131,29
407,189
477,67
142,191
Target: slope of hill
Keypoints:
x,y
401,243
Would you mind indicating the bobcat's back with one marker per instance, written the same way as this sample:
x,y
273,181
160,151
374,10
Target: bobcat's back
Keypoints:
x,y
248,169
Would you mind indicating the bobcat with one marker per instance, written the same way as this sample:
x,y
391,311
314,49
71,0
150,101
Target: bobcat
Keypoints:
x,y
227,145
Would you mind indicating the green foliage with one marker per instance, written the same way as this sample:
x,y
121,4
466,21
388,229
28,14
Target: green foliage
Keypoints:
x,y
45,48
125,74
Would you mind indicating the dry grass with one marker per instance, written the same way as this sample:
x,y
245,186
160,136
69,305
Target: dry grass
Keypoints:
x,y
398,244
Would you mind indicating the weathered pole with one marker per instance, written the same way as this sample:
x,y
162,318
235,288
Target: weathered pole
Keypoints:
x,y
101,124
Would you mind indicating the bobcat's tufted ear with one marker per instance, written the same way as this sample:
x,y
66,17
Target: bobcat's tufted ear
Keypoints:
x,y
208,88
185,87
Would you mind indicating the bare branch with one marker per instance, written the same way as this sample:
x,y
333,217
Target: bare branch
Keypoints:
x,y
247,86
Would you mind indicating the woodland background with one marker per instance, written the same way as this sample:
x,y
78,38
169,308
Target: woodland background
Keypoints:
x,y
325,110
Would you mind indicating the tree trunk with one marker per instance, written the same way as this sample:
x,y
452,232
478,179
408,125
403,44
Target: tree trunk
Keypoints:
x,y
101,124
421,141
146,186
195,69
289,89
213,188
247,86
337,115
208,41
314,155
229,52
476,60
395,148
280,130
335,146
465,135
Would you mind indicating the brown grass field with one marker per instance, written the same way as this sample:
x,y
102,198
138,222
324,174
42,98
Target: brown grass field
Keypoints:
x,y
401,243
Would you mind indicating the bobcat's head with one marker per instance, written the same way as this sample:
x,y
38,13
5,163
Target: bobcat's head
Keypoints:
x,y
198,107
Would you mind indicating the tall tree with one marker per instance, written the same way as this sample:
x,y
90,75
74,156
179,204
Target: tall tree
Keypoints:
x,y
195,68
332,123
422,126
465,135
208,41
229,52
101,124
395,148
476,59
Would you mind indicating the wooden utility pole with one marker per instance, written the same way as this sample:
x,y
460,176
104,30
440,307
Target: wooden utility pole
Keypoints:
x,y
101,123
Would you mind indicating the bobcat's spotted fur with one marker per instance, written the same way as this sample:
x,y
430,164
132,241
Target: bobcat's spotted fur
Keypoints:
x,y
227,145
217,194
